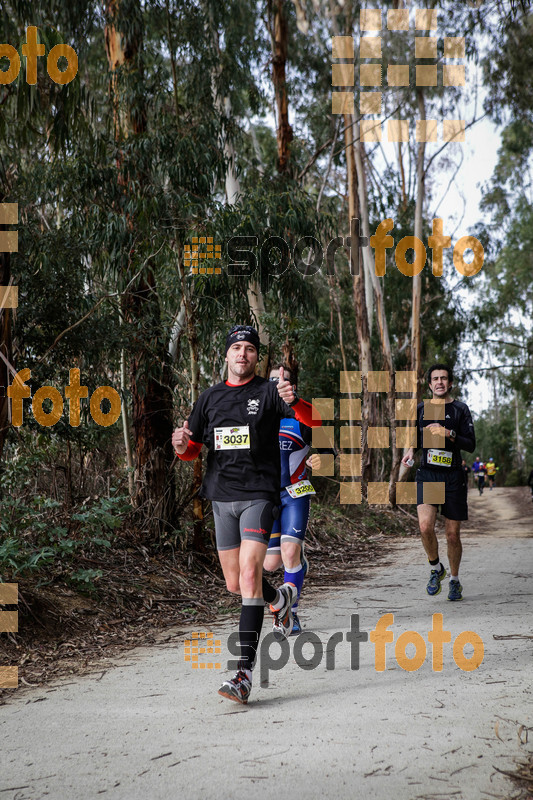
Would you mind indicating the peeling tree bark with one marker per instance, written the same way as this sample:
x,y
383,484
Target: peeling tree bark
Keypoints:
x,y
257,308
416,364
279,62
360,304
383,327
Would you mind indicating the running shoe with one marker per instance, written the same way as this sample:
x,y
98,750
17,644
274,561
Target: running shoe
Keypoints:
x,y
455,592
296,625
283,617
436,577
237,688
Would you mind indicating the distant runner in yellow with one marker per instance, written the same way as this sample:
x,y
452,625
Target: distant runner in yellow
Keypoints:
x,y
491,469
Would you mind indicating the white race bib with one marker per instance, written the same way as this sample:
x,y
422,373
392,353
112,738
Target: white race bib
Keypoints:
x,y
237,438
300,489
440,458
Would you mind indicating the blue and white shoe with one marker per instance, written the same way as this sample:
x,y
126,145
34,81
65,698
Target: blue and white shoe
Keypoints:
x,y
296,624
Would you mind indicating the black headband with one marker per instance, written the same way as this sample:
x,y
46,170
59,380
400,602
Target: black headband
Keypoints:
x,y
242,333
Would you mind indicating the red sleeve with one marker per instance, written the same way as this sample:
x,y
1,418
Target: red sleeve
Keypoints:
x,y
192,451
307,413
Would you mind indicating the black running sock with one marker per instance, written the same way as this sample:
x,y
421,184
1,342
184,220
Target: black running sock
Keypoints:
x,y
269,593
251,622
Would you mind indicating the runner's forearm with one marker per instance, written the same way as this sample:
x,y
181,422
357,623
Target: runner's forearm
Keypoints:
x,y
307,413
192,451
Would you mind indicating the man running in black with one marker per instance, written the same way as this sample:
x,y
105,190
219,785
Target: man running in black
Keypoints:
x,y
238,421
466,470
481,473
441,463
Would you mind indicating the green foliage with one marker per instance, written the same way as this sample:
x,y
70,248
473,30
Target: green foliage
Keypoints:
x,y
508,69
516,477
114,175
36,535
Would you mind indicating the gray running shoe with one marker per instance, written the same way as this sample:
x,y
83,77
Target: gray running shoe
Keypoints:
x,y
237,688
283,618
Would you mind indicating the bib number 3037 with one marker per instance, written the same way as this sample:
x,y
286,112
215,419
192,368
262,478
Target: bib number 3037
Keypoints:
x,y
237,438
300,489
441,458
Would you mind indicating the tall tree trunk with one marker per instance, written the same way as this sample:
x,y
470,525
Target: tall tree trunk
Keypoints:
x,y
257,308
416,365
233,191
519,443
383,327
198,543
279,62
360,305
126,428
289,358
150,375
186,320
334,290
6,350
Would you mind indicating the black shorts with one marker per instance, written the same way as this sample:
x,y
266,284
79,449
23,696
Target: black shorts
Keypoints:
x,y
236,520
455,491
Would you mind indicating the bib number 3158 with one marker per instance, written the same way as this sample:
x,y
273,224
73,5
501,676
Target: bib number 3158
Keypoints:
x,y
237,438
442,458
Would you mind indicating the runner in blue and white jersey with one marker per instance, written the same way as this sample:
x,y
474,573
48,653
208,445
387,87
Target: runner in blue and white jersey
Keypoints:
x,y
286,545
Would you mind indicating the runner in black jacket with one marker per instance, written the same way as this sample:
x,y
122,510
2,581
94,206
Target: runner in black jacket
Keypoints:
x,y
441,473
238,421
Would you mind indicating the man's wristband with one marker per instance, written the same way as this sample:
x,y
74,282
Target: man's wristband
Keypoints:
x,y
293,403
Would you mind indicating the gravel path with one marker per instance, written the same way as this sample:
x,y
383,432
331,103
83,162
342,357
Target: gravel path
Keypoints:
x,y
151,727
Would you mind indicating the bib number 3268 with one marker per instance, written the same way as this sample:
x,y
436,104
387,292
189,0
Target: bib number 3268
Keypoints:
x,y
237,438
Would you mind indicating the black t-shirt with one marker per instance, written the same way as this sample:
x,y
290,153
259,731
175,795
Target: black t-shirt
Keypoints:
x,y
457,417
234,473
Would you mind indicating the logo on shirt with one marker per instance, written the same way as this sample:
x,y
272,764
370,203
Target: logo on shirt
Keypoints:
x,y
253,406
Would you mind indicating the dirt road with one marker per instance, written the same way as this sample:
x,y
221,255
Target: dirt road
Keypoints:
x,y
151,727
